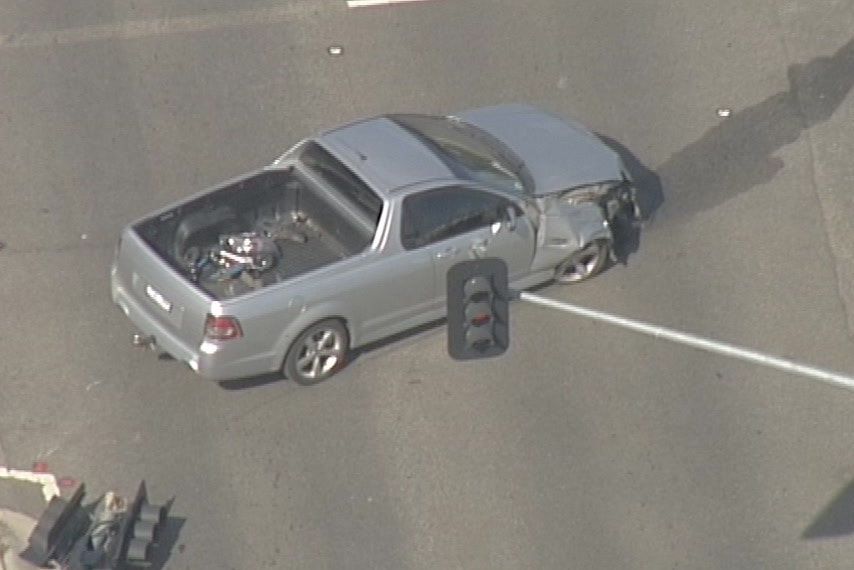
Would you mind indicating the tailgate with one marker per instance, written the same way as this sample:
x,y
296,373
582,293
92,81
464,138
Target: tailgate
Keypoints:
x,y
157,297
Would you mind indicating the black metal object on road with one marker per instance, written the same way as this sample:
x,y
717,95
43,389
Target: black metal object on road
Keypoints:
x,y
111,533
138,531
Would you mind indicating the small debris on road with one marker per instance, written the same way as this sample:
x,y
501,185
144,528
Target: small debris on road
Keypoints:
x,y
724,112
66,482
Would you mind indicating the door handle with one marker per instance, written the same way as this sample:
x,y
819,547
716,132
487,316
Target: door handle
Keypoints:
x,y
478,247
449,252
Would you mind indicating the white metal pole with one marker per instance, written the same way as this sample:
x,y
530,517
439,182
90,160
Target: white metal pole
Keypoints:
x,y
822,375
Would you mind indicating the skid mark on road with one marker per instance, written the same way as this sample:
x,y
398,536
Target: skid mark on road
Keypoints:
x,y
156,27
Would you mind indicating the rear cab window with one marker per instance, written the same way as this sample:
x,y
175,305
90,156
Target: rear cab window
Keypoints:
x,y
346,184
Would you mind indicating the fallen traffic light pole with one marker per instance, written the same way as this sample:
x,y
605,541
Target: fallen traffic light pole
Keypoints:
x,y
479,322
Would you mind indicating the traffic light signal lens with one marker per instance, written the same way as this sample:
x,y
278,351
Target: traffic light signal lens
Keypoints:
x,y
477,314
481,320
145,530
152,513
480,339
138,550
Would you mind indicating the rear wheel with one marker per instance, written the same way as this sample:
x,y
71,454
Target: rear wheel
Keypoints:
x,y
318,352
584,263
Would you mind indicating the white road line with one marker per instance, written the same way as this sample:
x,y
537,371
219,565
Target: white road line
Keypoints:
x,y
50,486
366,3
156,27
827,376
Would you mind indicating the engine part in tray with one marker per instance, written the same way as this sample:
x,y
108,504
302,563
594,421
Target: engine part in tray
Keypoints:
x,y
245,252
242,254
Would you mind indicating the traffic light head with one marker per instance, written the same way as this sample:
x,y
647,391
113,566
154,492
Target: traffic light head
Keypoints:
x,y
138,532
478,313
59,527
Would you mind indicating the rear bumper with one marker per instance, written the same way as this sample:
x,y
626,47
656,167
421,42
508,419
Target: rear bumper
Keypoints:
x,y
162,339
209,360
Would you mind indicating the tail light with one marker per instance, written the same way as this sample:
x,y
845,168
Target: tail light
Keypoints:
x,y
222,328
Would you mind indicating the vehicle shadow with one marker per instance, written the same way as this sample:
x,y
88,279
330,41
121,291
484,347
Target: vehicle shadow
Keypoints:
x,y
836,519
738,154
357,353
247,383
407,335
237,384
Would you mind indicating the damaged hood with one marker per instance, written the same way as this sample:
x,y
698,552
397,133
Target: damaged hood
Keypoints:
x,y
559,154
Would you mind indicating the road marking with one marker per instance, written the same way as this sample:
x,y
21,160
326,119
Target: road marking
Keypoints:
x,y
827,376
138,29
50,486
156,27
366,3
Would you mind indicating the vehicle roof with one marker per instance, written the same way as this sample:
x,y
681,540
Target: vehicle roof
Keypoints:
x,y
384,154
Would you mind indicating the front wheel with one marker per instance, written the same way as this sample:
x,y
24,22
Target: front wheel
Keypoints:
x,y
318,352
584,263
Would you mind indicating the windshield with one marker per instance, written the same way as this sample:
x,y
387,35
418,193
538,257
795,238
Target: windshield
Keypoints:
x,y
469,152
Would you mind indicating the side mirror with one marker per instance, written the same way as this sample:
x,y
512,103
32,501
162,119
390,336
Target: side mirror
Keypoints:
x,y
511,218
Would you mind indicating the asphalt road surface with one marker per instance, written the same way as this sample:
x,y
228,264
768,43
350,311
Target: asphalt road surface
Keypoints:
x,y
585,446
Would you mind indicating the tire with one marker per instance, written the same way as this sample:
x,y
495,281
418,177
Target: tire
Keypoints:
x,y
584,264
317,353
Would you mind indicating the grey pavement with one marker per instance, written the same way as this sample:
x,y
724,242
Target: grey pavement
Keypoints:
x,y
14,530
21,504
22,496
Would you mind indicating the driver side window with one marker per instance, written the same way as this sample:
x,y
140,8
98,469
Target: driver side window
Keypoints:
x,y
436,215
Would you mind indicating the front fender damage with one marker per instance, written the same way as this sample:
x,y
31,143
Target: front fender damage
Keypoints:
x,y
564,229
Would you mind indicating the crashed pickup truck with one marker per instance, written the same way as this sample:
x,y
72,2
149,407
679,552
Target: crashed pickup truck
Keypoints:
x,y
346,239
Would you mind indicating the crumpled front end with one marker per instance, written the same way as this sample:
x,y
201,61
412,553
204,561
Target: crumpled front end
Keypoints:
x,y
618,200
567,221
